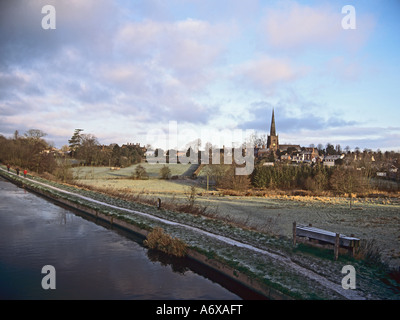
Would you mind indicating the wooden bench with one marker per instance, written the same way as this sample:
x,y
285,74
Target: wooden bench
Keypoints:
x,y
320,237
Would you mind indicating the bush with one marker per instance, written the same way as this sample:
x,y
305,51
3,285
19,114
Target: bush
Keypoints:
x,y
140,173
369,252
63,173
234,182
191,197
165,172
158,240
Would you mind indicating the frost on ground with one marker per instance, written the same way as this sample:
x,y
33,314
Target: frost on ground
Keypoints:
x,y
373,220
271,259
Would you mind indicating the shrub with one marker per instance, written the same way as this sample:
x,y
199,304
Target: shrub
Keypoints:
x,y
190,205
140,173
63,173
191,197
158,240
165,172
234,182
369,252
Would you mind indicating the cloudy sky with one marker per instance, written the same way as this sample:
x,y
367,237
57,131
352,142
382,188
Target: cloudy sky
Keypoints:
x,y
129,71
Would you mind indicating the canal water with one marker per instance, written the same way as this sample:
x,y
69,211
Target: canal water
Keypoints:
x,y
91,261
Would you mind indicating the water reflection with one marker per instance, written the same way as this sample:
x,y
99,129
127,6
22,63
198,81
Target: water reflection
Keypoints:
x,y
178,265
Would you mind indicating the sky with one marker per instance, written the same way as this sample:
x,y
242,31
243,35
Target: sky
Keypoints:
x,y
167,73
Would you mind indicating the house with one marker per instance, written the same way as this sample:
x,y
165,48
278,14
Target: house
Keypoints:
x,y
309,154
297,158
286,157
261,152
330,160
149,153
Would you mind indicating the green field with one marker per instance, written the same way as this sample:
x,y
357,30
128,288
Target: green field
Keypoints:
x,y
104,177
153,171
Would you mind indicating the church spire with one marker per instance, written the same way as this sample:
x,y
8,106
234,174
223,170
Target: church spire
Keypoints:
x,y
273,131
272,141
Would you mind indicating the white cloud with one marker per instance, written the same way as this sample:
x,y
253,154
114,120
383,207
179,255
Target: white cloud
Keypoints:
x,y
292,25
265,72
295,26
184,46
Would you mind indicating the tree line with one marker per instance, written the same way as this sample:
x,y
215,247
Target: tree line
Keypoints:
x,y
87,149
32,152
28,151
316,178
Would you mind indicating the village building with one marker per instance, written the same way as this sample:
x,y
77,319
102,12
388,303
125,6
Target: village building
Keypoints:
x,y
310,154
261,152
286,157
330,159
307,155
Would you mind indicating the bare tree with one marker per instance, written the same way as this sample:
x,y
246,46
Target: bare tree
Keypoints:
x,y
35,134
349,181
256,140
88,149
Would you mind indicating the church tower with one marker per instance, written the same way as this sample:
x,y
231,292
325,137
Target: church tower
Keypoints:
x,y
272,142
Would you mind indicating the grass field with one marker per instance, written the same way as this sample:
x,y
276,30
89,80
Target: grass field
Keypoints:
x,y
104,177
153,171
376,220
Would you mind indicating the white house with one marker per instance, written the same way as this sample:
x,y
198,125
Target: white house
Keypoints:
x,y
330,160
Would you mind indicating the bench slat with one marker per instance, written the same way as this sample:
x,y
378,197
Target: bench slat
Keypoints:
x,y
326,236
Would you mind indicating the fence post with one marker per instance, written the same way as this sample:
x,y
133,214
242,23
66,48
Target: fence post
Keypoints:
x,y
294,233
336,251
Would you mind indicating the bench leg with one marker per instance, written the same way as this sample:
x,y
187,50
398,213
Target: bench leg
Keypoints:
x,y
336,250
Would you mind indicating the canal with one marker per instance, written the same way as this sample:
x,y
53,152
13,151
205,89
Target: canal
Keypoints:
x,y
91,261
